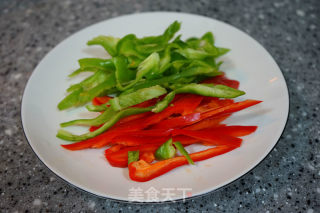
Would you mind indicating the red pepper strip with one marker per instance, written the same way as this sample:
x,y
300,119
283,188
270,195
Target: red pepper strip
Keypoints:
x,y
189,107
147,156
235,107
209,136
178,121
133,117
208,123
151,132
78,145
213,103
120,158
185,140
196,117
222,79
235,131
129,140
142,171
113,149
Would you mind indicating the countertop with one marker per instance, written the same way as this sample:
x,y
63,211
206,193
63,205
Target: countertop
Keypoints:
x,y
287,180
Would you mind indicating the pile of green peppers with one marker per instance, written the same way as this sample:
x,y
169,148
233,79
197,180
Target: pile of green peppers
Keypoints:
x,y
141,69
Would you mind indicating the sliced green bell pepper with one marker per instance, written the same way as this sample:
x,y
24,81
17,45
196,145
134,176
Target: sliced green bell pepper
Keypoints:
x,y
219,91
165,151
139,96
184,152
133,156
109,43
104,117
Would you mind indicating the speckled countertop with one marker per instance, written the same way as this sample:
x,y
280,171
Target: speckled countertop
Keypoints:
x,y
287,180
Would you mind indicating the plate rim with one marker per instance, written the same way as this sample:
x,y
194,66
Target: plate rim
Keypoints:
x,y
167,201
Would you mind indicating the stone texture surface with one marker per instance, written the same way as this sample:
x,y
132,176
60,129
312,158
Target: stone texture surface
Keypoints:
x,y
287,180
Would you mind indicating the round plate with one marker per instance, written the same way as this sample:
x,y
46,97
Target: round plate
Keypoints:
x,y
247,62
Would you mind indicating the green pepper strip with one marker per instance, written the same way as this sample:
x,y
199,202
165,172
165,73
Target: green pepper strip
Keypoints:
x,y
104,117
91,81
133,156
123,74
219,91
93,65
70,100
181,149
161,105
109,43
124,101
193,54
65,135
165,151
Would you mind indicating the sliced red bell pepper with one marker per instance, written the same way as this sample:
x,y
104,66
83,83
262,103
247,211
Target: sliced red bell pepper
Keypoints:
x,y
209,136
151,132
213,103
235,131
207,123
142,171
190,106
234,107
147,156
130,140
222,79
185,140
133,117
177,122
113,149
120,158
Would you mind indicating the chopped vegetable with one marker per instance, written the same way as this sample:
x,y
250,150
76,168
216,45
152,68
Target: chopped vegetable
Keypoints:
x,y
109,43
133,156
124,101
165,151
184,152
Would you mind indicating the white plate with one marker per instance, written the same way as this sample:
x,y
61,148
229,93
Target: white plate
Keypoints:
x,y
247,62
